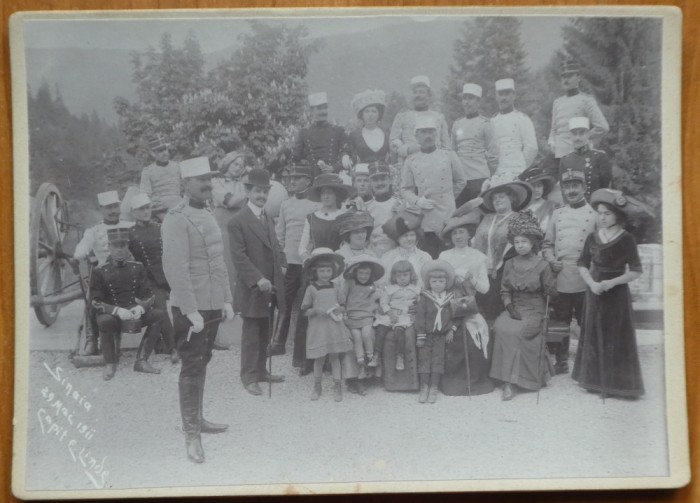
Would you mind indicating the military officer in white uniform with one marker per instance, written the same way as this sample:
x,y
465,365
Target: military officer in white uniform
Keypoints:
x,y
161,179
562,246
572,104
403,130
514,132
200,294
438,177
95,238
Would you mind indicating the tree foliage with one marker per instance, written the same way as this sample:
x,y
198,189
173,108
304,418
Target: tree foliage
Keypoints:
x,y
621,61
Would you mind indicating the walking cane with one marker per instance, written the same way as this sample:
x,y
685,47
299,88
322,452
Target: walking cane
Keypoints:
x,y
466,356
545,328
271,330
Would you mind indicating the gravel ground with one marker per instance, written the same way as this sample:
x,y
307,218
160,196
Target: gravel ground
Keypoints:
x,y
134,430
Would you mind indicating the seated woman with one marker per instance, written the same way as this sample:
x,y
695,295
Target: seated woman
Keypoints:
x,y
519,360
467,361
503,195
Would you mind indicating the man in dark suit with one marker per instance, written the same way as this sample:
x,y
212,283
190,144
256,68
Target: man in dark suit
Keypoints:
x,y
260,264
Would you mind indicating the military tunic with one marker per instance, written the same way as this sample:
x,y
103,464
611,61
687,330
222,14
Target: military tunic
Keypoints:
x,y
162,184
564,240
473,140
320,142
404,129
439,177
95,240
595,164
381,212
567,107
193,260
146,245
517,143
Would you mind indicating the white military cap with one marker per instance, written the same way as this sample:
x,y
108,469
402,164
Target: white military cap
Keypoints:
x,y
140,199
317,99
579,122
195,167
361,168
472,89
505,84
419,80
107,198
425,122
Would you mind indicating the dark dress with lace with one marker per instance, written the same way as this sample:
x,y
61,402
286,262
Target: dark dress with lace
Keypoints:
x,y
607,360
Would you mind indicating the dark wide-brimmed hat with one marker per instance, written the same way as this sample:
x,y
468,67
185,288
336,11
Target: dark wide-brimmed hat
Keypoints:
x,y
332,181
354,220
630,207
467,215
537,173
404,220
525,224
522,191
364,260
258,177
438,265
325,255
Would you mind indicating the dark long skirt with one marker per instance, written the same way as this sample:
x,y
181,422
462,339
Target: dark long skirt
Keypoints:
x,y
608,329
454,381
399,380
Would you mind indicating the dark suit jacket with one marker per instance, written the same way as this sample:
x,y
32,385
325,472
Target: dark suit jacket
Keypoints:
x,y
256,254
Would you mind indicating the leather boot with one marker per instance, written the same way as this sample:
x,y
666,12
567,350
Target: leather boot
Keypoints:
x,y
204,425
562,357
108,371
433,390
90,344
317,389
189,410
423,395
508,392
144,351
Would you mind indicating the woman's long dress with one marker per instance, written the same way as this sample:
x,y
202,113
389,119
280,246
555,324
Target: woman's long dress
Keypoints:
x,y
607,321
472,330
518,355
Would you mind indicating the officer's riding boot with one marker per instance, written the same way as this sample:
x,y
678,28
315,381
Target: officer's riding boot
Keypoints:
x,y
90,344
206,426
189,410
91,334
145,350
562,357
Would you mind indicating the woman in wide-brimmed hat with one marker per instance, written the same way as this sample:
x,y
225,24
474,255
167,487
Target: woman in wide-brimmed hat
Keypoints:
x,y
355,228
320,228
607,360
542,184
503,195
471,276
518,351
405,230
369,143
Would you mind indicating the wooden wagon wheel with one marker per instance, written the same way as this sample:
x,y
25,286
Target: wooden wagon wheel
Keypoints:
x,y
47,267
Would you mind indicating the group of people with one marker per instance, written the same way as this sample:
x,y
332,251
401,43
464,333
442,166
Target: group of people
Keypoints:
x,y
437,273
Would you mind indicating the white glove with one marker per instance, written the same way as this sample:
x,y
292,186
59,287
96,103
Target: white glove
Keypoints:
x,y
228,312
137,311
347,163
197,322
425,204
124,314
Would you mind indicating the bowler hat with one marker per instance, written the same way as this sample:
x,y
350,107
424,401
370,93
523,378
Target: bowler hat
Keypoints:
x,y
258,177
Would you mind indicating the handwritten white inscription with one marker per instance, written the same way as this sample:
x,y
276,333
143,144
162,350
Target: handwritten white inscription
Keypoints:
x,y
63,418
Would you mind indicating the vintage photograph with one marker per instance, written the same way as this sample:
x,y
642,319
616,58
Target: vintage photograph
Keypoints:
x,y
279,252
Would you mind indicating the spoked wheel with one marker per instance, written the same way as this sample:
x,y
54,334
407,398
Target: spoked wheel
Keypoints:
x,y
47,266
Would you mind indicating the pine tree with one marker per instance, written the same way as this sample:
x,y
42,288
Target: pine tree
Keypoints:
x,y
621,60
489,49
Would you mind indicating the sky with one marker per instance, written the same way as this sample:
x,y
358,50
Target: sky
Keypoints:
x,y
540,35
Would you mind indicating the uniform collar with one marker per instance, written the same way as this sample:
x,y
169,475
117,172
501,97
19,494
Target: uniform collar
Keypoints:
x,y
429,151
197,204
472,115
116,222
582,150
580,204
507,110
572,92
380,198
162,164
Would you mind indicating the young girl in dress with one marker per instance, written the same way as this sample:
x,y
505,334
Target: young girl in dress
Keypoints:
x,y
327,335
607,361
434,326
395,300
361,304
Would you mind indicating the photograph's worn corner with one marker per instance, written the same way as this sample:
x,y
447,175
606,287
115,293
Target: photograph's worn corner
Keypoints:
x,y
250,238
